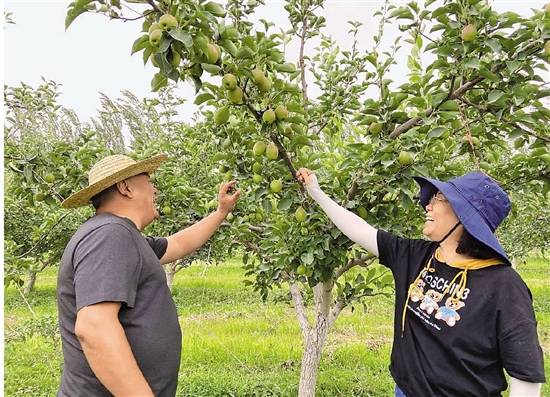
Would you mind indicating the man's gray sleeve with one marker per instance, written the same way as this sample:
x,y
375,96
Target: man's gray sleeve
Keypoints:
x,y
106,267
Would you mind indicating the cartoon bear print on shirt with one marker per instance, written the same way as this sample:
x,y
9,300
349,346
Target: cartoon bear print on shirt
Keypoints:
x,y
429,303
448,312
417,291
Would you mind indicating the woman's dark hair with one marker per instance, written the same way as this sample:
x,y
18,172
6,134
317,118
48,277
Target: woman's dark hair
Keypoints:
x,y
468,245
103,196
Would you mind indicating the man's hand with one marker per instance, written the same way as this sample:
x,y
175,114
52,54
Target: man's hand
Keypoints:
x,y
226,200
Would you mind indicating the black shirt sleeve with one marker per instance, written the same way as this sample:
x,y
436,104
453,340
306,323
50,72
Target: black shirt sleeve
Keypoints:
x,y
397,252
158,244
521,353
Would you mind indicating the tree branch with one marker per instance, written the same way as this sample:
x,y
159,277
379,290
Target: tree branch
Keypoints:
x,y
286,159
301,58
43,237
542,138
364,261
335,312
152,3
534,47
300,309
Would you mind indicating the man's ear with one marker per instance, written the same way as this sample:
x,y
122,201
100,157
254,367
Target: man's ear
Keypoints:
x,y
124,188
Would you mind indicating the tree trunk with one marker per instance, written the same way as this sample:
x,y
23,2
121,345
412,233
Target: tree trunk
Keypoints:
x,y
315,340
30,283
311,359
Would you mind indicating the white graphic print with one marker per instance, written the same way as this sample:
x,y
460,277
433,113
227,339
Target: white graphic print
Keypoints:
x,y
448,312
429,303
429,300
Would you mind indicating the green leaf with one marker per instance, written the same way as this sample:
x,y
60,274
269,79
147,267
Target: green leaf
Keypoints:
x,y
472,63
79,7
489,75
284,204
212,69
165,44
494,44
449,105
203,98
140,44
307,258
158,81
229,46
182,37
436,132
494,96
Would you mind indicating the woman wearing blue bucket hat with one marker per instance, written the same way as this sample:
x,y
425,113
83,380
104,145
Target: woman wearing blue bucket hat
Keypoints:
x,y
462,313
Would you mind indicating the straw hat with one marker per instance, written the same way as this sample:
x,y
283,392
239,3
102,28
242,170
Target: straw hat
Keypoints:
x,y
107,172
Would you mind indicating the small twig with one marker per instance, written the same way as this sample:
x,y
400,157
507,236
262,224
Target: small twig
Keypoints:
x,y
25,300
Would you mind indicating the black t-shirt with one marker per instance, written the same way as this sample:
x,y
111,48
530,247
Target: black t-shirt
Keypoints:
x,y
109,260
460,349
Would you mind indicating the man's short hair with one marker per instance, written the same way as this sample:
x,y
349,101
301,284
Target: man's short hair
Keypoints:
x,y
99,199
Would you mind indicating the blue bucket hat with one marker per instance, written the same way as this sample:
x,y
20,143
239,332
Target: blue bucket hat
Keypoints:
x,y
477,200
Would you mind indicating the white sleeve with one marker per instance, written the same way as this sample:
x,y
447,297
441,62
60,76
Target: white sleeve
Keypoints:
x,y
520,388
353,226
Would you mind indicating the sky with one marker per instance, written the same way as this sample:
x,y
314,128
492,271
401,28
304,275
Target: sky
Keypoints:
x,y
93,55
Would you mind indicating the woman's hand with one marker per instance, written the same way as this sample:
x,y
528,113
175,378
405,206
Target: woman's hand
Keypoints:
x,y
308,178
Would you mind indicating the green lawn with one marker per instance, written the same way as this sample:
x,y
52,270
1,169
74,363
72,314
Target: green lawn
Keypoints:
x,y
234,345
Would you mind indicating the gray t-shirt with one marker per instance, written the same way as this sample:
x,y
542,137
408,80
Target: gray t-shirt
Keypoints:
x,y
109,260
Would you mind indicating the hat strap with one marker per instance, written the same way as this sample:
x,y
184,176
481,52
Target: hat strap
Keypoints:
x,y
448,234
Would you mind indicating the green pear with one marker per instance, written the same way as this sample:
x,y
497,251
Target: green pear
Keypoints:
x,y
235,95
264,85
154,26
168,21
271,151
221,116
362,212
258,75
269,116
405,158
256,168
301,270
229,81
300,214
212,53
276,186
259,148
469,33
49,178
375,128
281,112
155,37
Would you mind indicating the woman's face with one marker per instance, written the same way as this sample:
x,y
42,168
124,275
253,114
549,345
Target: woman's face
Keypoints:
x,y
440,218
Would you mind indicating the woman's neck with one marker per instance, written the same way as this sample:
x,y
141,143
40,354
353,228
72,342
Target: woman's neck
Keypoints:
x,y
448,252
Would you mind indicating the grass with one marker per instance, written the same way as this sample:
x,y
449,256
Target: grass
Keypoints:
x,y
234,345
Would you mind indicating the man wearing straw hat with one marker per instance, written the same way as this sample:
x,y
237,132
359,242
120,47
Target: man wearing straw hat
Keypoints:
x,y
118,322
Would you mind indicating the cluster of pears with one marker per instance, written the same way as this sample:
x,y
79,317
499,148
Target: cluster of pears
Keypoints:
x,y
272,153
166,22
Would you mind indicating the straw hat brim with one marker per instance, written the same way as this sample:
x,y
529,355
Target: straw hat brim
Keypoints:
x,y
83,197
